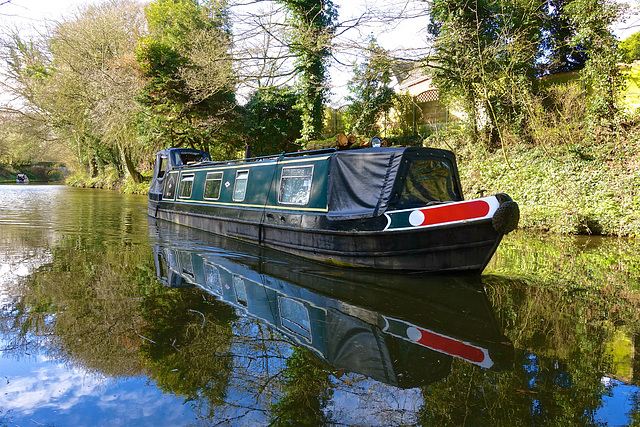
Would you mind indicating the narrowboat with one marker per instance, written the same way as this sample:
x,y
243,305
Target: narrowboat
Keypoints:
x,y
390,208
403,330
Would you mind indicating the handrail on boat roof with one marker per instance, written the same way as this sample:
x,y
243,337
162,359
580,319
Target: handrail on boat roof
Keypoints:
x,y
255,159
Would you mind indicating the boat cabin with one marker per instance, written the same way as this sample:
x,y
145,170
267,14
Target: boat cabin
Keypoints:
x,y
342,185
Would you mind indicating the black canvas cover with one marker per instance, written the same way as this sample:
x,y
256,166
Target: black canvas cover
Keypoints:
x,y
360,182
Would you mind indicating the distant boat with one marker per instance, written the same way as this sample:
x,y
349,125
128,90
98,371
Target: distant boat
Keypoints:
x,y
22,178
391,208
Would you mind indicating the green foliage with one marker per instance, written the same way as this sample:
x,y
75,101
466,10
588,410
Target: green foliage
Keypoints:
x,y
555,53
486,56
307,390
188,97
372,97
272,123
79,83
21,140
630,48
312,27
592,20
489,56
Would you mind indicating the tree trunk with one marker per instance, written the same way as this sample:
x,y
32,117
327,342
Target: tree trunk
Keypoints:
x,y
135,175
93,168
494,135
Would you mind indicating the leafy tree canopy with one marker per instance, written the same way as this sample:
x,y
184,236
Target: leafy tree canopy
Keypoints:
x,y
312,27
271,120
189,95
630,47
371,94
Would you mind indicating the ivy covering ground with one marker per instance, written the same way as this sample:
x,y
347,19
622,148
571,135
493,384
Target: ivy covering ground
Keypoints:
x,y
590,188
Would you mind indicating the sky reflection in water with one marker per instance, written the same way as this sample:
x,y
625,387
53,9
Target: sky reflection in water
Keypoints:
x,y
41,391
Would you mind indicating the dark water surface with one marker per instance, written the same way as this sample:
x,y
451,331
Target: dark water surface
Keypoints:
x,y
108,317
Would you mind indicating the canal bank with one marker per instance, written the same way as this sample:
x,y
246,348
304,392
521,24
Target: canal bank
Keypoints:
x,y
588,187
591,189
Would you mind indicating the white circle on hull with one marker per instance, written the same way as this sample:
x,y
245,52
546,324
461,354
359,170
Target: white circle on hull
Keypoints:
x,y
416,218
414,334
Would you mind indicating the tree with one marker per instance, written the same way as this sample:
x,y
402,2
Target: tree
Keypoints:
x,y
371,94
188,97
312,29
272,123
80,80
630,48
491,54
96,75
592,20
557,53
23,140
485,54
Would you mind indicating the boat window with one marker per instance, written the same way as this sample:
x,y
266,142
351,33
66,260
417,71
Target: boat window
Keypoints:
x,y
240,186
213,185
212,278
428,181
170,183
186,185
295,185
241,290
186,265
295,316
191,157
162,166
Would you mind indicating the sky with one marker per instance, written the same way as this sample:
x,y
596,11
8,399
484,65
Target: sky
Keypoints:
x,y
408,34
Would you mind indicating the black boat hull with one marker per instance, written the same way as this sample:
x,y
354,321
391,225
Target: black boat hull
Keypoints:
x,y
464,247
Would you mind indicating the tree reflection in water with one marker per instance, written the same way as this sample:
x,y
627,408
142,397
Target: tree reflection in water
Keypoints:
x,y
227,332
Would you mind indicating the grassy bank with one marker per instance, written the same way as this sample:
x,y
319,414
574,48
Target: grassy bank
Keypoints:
x,y
586,187
109,180
592,187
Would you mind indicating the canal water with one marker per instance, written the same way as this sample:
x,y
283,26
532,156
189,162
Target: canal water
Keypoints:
x,y
110,318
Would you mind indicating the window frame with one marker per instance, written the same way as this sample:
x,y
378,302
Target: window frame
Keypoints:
x,y
211,271
186,178
283,177
235,185
240,290
206,180
162,167
300,329
168,181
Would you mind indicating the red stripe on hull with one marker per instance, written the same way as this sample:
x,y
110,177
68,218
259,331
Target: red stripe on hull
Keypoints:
x,y
455,212
451,346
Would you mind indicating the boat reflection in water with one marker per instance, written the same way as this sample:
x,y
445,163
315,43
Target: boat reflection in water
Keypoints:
x,y
403,330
